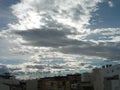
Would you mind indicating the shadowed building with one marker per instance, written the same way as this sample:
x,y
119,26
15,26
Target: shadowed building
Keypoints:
x,y
53,83
74,80
8,82
86,81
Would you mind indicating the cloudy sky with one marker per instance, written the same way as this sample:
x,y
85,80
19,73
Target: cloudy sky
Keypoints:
x,y
58,36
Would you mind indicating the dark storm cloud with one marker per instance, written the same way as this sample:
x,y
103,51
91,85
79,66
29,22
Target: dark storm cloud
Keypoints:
x,y
57,39
107,50
48,37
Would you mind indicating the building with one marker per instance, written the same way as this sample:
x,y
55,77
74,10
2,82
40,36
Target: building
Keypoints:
x,y
20,86
8,82
69,82
86,81
31,84
107,77
74,80
53,83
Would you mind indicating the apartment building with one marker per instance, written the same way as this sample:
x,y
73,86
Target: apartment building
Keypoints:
x,y
31,84
86,81
53,83
74,80
107,77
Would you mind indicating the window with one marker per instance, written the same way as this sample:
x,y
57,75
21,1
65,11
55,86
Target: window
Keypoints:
x,y
112,70
52,83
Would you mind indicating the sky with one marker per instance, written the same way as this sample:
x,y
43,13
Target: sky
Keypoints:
x,y
57,37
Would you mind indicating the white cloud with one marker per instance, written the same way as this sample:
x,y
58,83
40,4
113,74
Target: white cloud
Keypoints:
x,y
111,4
104,35
36,13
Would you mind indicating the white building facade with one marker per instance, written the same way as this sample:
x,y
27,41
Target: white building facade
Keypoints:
x,y
107,77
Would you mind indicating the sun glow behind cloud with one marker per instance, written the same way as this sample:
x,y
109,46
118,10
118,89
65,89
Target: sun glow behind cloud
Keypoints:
x,y
34,13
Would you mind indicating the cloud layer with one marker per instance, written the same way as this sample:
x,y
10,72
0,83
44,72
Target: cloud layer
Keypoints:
x,y
101,43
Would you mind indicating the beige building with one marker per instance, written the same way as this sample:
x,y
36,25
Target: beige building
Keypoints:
x,y
53,83
69,82
74,80
86,81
